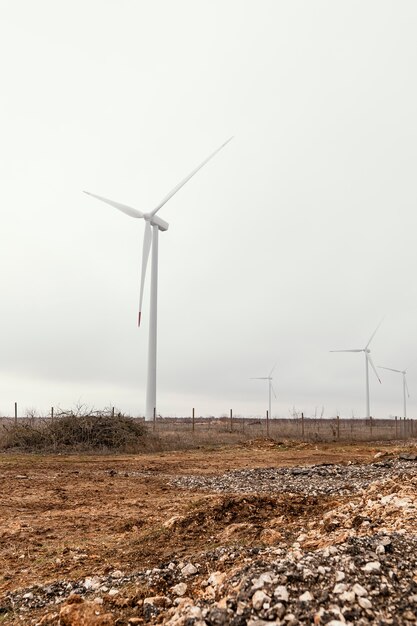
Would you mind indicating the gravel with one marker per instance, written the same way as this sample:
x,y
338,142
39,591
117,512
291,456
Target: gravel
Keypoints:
x,y
314,480
355,565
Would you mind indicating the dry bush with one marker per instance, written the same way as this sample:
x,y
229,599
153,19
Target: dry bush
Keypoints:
x,y
76,431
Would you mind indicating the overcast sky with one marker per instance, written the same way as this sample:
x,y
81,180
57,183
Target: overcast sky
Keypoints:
x,y
294,240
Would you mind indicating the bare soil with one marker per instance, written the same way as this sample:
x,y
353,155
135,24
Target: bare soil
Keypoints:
x,y
67,517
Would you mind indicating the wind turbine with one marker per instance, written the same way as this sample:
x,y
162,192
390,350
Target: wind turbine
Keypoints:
x,y
406,393
270,387
368,361
153,224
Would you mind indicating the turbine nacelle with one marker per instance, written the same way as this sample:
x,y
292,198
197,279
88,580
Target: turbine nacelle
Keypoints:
x,y
155,220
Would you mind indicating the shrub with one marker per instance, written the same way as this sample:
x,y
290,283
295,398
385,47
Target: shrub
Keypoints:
x,y
89,430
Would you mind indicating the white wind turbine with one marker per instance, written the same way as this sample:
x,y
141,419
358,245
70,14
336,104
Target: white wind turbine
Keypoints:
x,y
368,361
406,393
152,227
270,387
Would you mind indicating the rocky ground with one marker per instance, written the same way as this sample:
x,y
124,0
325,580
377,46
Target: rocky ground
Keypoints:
x,y
315,543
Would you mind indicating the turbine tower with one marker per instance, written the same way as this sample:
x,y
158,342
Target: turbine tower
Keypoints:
x,y
406,393
368,361
270,387
153,224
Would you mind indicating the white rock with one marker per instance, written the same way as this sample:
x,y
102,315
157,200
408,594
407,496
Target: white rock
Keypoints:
x,y
264,578
371,566
348,596
281,593
259,598
306,597
117,574
28,596
336,622
340,588
365,603
189,570
216,579
92,582
194,612
179,590
359,590
113,592
340,576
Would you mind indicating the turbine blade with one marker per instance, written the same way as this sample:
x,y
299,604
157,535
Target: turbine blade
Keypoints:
x,y
368,356
182,183
270,373
389,368
259,378
360,350
374,333
273,391
147,240
117,205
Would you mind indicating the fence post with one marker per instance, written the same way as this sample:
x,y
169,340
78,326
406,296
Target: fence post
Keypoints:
x,y
267,423
302,426
231,420
154,419
112,411
193,419
370,425
15,412
396,427
52,413
338,426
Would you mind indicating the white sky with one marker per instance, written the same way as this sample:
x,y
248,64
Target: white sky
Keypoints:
x,y
295,239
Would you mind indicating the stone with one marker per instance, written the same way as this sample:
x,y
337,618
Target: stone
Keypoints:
x,y
216,579
281,593
180,589
365,603
259,598
158,601
189,570
306,597
371,566
359,590
409,616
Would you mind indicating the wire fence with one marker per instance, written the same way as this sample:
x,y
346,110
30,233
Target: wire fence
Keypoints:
x,y
301,428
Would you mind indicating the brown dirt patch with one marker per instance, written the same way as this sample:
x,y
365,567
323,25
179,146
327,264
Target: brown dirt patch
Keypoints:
x,y
76,516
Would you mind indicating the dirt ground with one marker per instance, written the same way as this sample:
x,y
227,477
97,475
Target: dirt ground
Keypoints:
x,y
75,516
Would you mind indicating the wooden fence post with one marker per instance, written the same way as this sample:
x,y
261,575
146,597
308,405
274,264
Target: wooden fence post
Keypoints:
x,y
52,413
370,425
193,419
15,413
338,426
396,427
112,411
267,423
231,420
302,426
154,419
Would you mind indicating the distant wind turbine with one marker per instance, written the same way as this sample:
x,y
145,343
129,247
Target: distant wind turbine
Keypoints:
x,y
270,387
406,393
368,361
152,227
